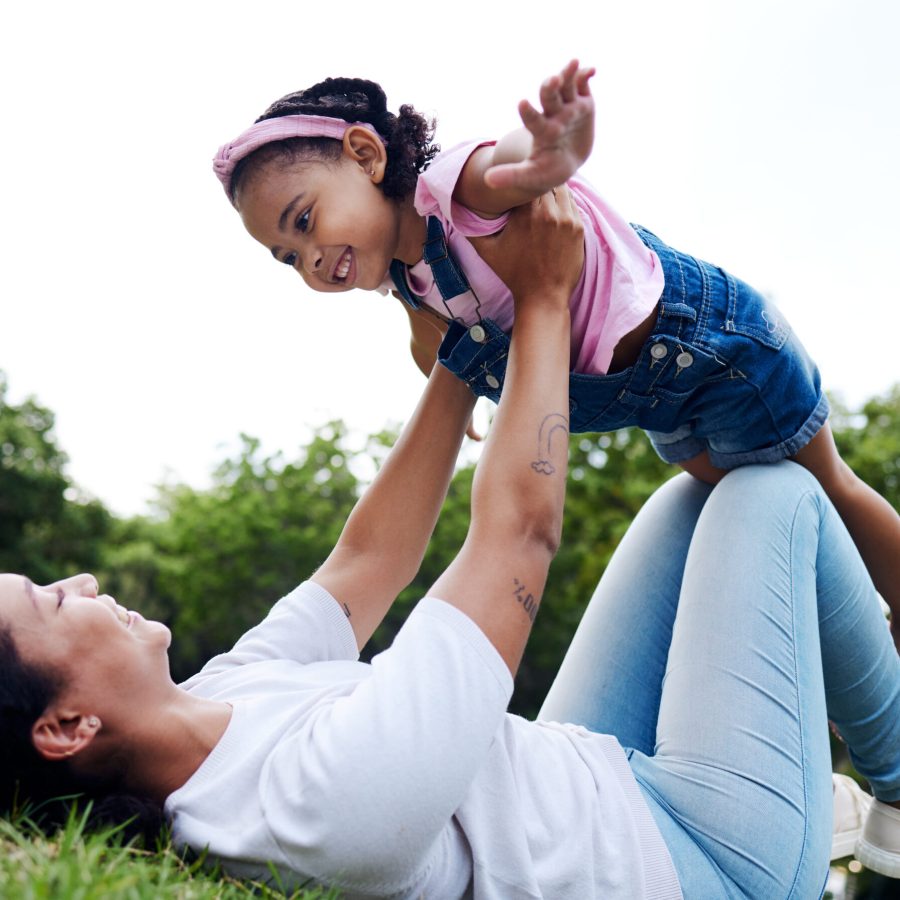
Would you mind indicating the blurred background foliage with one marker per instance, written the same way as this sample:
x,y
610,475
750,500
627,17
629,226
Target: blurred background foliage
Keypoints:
x,y
210,563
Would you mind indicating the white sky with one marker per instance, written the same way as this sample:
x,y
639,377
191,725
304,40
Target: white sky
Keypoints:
x,y
763,135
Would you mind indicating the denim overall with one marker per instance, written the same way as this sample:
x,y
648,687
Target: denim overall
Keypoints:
x,y
721,371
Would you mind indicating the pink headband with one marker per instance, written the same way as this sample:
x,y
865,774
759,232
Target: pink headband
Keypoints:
x,y
278,129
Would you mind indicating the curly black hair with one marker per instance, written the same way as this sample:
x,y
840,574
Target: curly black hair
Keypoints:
x,y
408,136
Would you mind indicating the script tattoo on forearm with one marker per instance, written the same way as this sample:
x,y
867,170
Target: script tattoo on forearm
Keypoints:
x,y
549,426
527,600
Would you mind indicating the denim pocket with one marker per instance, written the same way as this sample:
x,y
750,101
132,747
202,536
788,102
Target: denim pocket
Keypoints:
x,y
476,355
655,392
751,315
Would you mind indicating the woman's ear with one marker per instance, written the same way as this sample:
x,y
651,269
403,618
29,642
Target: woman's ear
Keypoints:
x,y
60,734
367,150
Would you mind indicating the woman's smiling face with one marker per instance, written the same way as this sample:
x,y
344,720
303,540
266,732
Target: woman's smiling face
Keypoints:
x,y
70,628
329,220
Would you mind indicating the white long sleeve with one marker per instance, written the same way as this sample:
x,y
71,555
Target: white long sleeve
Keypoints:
x,y
406,778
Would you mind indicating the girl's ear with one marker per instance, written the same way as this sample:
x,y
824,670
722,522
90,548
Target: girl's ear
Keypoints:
x,y
366,149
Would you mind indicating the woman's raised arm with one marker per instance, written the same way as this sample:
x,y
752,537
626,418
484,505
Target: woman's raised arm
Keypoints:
x,y
398,754
382,544
517,496
539,255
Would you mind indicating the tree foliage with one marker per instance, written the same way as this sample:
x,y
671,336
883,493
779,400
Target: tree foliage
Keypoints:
x,y
216,560
211,562
870,443
45,526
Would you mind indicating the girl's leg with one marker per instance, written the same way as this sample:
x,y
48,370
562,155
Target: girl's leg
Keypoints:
x,y
870,519
611,678
742,765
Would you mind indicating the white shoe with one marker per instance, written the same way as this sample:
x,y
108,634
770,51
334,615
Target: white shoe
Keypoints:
x,y
879,847
851,807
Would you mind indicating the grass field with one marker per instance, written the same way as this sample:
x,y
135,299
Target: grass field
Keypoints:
x,y
75,865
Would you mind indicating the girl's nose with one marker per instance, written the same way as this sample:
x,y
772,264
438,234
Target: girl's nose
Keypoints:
x,y
312,261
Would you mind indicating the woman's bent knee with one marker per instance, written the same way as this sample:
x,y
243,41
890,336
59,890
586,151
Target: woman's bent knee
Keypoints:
x,y
769,478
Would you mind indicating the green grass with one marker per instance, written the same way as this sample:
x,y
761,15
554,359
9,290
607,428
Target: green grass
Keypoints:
x,y
76,865
73,864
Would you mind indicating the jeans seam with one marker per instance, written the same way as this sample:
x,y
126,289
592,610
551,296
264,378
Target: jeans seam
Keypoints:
x,y
800,719
705,302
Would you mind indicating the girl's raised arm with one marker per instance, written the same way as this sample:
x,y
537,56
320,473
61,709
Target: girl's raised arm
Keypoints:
x,y
544,154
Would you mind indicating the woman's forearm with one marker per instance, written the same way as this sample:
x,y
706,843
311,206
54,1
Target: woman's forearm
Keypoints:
x,y
396,515
382,544
517,499
519,486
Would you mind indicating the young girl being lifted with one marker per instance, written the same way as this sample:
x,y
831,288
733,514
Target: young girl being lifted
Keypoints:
x,y
352,196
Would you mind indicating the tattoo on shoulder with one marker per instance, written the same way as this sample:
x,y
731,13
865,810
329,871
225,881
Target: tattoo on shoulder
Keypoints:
x,y
346,610
527,600
549,426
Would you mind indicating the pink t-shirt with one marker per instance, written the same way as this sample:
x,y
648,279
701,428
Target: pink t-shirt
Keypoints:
x,y
620,284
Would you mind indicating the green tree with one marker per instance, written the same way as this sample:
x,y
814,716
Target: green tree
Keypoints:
x,y
869,441
211,562
47,528
215,560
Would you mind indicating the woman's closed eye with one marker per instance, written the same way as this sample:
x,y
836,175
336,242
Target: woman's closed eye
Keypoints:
x,y
60,596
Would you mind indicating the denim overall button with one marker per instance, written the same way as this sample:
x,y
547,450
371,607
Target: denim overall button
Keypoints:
x,y
477,333
659,351
684,359
491,381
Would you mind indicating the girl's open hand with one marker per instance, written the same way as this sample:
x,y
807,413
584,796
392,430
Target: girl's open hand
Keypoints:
x,y
562,134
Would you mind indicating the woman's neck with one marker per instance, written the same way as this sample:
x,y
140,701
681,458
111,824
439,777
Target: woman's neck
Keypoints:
x,y
169,745
196,727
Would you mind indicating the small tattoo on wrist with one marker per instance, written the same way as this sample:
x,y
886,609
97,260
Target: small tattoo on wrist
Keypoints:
x,y
528,601
550,425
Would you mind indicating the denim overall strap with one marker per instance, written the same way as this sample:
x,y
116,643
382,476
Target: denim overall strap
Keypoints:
x,y
398,275
448,276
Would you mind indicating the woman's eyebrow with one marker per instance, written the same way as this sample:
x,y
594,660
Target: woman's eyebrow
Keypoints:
x,y
282,222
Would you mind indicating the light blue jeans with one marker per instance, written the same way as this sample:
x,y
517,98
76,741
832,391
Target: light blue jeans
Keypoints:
x,y
703,650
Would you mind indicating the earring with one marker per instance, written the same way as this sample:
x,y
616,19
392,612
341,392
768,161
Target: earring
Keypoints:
x,y
93,722
371,172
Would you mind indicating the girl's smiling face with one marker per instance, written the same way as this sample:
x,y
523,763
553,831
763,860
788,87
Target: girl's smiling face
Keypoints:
x,y
329,220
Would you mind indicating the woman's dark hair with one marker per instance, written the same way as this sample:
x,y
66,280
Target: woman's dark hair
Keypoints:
x,y
46,788
407,135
